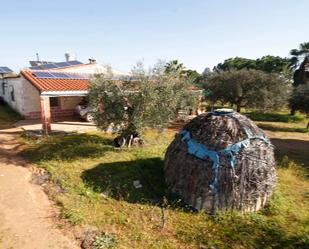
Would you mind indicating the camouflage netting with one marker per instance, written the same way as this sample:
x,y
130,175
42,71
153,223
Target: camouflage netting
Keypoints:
x,y
221,160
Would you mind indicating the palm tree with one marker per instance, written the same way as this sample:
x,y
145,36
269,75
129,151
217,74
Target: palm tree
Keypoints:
x,y
298,55
174,66
299,60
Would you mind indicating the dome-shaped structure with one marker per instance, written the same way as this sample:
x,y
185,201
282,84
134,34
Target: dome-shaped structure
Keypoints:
x,y
221,160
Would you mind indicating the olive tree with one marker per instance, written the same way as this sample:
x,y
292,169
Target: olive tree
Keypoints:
x,y
300,100
150,99
247,88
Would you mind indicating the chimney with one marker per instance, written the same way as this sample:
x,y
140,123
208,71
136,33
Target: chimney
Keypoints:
x,y
69,57
92,60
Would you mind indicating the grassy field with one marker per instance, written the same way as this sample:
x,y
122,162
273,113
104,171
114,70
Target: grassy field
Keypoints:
x,y
97,189
283,117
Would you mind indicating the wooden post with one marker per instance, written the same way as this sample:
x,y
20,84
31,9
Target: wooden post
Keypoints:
x,y
45,115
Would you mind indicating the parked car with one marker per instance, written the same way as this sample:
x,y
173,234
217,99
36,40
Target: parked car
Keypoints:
x,y
85,112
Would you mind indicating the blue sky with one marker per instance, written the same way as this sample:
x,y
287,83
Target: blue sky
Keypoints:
x,y
199,33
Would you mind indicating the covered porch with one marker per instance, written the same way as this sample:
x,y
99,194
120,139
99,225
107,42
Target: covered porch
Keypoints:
x,y
57,96
51,115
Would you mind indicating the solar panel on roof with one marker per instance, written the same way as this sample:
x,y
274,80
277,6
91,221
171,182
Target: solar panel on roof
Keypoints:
x,y
42,67
5,70
35,68
74,63
49,66
60,75
38,63
56,65
43,75
77,76
62,64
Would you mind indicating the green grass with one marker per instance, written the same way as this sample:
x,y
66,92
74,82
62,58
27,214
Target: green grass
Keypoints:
x,y
279,121
7,114
299,127
271,126
275,117
282,116
98,180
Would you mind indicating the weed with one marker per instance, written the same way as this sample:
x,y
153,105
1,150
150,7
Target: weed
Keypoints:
x,y
104,241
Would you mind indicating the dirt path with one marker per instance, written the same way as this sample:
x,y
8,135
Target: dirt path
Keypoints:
x,y
292,144
26,215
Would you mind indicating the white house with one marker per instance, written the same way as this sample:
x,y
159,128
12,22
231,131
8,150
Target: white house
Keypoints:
x,y
50,90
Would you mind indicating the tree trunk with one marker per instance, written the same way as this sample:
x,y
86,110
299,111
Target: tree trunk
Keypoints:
x,y
238,108
292,113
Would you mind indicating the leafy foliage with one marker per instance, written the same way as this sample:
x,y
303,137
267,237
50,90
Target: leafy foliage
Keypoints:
x,y
298,55
268,64
247,88
206,72
174,67
274,64
152,100
104,241
300,99
192,74
236,63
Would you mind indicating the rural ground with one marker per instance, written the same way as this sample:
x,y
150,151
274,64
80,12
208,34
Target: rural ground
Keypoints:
x,y
27,217
95,182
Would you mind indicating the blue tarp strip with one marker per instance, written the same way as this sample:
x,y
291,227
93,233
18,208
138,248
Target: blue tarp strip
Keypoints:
x,y
201,151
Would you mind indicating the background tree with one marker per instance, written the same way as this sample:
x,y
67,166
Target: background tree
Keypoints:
x,y
274,64
247,88
298,55
193,74
174,67
152,100
299,62
206,72
300,75
300,100
236,63
268,64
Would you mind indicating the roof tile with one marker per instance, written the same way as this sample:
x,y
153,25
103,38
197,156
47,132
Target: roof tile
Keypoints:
x,y
56,84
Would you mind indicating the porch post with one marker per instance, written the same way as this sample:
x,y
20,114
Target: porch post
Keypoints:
x,y
45,115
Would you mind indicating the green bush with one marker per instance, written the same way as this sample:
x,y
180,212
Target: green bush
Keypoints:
x,y
104,241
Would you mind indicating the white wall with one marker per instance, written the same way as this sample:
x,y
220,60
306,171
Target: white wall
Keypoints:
x,y
27,97
92,69
31,98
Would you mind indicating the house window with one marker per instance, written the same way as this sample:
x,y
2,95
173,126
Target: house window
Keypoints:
x,y
12,93
53,101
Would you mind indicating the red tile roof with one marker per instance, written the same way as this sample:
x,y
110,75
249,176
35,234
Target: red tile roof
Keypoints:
x,y
55,84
